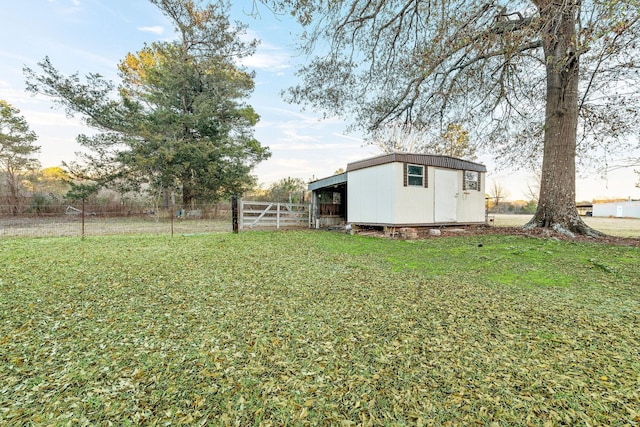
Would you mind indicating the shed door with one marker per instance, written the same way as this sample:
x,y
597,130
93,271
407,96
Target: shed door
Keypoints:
x,y
445,195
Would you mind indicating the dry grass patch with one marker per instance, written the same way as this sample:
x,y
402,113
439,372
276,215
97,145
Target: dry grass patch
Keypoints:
x,y
622,227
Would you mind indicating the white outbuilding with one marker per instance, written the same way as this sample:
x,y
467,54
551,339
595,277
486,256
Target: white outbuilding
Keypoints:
x,y
621,209
402,190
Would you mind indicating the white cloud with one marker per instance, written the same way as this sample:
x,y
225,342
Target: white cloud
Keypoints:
x,y
299,145
295,135
349,137
15,57
157,29
56,119
272,62
270,58
75,3
279,167
300,120
14,95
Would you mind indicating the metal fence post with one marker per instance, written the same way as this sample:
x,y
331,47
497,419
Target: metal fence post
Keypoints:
x,y
83,205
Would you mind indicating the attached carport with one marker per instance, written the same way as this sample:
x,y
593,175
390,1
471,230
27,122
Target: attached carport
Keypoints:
x,y
329,201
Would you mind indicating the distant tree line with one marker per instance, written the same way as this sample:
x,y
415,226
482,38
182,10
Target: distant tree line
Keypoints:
x,y
516,207
285,190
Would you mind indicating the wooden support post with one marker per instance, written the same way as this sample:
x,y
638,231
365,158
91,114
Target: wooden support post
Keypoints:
x,y
234,213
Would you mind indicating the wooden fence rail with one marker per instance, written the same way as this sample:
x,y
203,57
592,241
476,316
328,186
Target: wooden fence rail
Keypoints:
x,y
273,214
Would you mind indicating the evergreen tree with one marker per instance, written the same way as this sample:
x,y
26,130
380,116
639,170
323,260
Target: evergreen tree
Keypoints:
x,y
178,119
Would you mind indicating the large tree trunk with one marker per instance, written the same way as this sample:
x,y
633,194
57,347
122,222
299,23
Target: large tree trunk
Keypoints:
x,y
557,204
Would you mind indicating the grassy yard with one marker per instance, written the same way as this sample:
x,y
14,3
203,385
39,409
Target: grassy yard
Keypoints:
x,y
318,328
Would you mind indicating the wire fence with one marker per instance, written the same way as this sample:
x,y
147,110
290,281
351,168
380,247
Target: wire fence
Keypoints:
x,y
71,220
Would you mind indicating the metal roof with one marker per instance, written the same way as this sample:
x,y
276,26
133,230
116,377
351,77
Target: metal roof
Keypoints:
x,y
415,159
418,159
328,182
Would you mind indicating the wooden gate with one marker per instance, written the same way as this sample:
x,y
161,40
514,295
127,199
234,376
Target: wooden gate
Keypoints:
x,y
273,214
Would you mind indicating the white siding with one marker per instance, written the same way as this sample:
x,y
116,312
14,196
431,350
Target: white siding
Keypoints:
x,y
471,203
370,193
626,209
376,195
412,204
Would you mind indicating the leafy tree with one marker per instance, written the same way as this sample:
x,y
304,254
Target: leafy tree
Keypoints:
x,y
178,119
288,190
538,80
530,207
453,141
16,150
53,181
399,138
47,187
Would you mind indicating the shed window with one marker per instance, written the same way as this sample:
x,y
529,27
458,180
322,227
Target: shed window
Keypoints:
x,y
415,175
471,180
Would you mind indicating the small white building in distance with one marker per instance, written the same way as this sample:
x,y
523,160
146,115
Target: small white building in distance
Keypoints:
x,y
624,209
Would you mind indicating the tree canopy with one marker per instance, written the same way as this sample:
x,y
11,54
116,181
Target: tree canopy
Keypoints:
x,y
17,148
453,141
288,189
178,120
539,82
53,181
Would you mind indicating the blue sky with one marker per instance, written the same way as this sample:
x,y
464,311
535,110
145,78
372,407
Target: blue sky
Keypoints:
x,y
94,35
